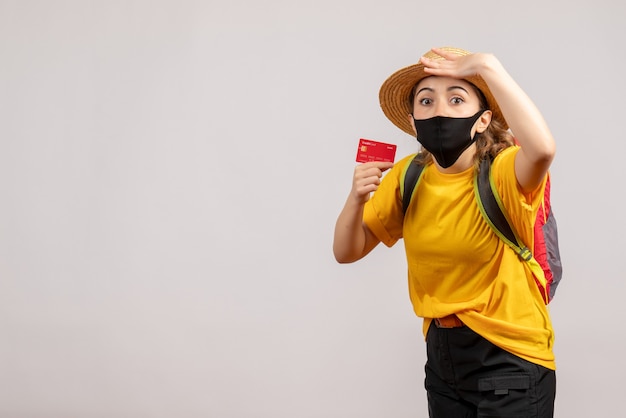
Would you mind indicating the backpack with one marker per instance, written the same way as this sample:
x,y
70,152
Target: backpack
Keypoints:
x,y
544,260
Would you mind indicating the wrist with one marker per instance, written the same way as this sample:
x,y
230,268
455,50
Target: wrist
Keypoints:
x,y
358,200
489,66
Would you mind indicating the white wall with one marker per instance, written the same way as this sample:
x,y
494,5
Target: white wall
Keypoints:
x,y
170,175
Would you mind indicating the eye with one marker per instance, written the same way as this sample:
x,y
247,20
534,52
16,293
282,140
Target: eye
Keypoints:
x,y
456,100
425,101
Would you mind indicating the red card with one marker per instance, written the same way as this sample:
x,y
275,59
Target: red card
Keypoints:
x,y
375,151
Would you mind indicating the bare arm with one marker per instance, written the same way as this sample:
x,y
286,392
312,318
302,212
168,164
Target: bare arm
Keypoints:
x,y
353,240
526,122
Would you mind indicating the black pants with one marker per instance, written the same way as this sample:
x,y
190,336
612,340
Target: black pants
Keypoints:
x,y
467,376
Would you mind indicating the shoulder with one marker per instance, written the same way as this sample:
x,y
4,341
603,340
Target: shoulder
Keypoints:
x,y
404,162
506,157
398,171
503,166
505,180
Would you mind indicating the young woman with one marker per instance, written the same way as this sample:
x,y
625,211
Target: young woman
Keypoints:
x,y
488,331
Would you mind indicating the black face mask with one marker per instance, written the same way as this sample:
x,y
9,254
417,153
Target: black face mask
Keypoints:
x,y
446,138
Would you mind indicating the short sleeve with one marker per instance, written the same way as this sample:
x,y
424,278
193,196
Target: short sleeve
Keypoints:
x,y
383,212
521,207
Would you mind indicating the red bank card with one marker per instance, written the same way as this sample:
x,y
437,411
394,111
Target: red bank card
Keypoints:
x,y
375,151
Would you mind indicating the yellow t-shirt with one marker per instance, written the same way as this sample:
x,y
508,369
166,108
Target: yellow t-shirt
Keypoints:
x,y
457,264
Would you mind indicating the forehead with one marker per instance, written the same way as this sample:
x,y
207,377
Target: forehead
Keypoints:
x,y
437,83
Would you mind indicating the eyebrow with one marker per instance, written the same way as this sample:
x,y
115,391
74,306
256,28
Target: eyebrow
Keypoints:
x,y
451,88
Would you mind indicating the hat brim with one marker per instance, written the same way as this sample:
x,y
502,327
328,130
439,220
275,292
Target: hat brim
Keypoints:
x,y
395,93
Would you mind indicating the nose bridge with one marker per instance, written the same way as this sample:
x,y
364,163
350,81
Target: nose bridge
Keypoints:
x,y
441,105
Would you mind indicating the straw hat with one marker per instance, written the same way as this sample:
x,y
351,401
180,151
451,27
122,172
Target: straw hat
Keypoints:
x,y
396,91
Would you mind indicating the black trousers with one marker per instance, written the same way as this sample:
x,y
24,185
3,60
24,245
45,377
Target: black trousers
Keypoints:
x,y
469,377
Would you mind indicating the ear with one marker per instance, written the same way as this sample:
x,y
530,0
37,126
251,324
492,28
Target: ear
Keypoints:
x,y
412,123
483,121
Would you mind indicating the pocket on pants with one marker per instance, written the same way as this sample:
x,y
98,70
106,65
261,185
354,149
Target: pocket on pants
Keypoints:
x,y
505,396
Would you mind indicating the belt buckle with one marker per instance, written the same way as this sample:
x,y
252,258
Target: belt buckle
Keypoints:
x,y
450,321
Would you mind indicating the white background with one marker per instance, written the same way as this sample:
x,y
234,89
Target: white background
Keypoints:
x,y
170,175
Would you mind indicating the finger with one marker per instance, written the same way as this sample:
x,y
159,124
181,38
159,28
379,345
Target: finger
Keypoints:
x,y
369,177
367,185
433,66
363,187
441,68
445,54
372,169
379,164
383,165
